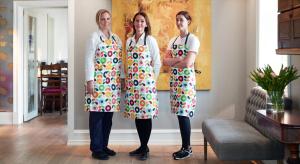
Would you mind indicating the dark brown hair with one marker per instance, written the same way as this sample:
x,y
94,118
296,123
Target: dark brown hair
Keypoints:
x,y
186,15
148,28
99,13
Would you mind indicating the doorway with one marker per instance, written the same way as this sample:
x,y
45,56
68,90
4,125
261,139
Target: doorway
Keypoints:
x,y
41,38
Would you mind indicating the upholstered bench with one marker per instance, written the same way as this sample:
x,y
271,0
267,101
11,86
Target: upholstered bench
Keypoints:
x,y
242,140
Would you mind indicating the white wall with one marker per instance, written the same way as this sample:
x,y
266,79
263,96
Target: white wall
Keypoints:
x,y
225,99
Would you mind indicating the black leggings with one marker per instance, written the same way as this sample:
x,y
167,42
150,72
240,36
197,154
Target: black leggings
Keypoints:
x,y
185,131
143,127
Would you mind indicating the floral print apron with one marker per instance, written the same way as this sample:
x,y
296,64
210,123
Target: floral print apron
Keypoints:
x,y
141,95
107,85
182,84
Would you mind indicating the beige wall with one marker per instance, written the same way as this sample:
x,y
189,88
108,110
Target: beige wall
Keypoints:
x,y
251,41
227,96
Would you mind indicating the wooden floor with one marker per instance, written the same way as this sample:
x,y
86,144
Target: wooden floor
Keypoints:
x,y
43,140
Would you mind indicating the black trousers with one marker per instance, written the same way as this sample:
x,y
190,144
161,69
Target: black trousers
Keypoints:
x,y
144,127
100,126
185,131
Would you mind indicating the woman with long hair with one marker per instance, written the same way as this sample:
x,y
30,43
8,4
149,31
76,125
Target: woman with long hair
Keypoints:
x,y
143,65
181,55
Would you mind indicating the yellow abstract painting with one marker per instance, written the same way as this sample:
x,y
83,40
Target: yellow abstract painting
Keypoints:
x,y
162,15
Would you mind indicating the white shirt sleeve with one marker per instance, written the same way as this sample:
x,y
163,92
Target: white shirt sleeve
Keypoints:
x,y
193,43
89,57
155,55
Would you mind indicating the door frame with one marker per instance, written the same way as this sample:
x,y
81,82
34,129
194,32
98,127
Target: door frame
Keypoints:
x,y
18,55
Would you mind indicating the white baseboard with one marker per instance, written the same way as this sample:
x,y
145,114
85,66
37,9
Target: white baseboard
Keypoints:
x,y
130,137
6,118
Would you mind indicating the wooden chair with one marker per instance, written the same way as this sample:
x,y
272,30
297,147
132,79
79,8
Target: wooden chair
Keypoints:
x,y
52,88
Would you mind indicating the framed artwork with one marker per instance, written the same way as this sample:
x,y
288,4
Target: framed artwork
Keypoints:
x,y
162,15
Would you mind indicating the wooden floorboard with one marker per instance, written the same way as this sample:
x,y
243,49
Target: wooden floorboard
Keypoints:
x,y
43,141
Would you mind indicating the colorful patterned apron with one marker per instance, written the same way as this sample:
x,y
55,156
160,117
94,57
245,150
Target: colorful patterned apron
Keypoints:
x,y
107,64
182,84
141,96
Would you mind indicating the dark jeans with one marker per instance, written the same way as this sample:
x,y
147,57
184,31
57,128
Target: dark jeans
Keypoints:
x,y
100,126
185,131
143,127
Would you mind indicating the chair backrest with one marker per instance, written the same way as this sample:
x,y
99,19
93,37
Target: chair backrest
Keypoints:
x,y
64,74
256,101
50,76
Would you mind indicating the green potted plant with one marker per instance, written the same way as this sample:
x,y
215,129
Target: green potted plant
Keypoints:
x,y
274,84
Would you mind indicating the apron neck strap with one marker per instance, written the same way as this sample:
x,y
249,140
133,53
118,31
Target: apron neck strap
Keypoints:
x,y
186,39
138,40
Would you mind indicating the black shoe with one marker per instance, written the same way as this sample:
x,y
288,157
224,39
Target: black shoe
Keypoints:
x,y
183,153
174,154
181,149
143,156
138,151
109,152
100,155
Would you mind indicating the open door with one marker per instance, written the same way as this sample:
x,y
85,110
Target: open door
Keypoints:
x,y
30,66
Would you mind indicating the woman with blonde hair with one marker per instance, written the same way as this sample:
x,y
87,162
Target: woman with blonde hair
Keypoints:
x,y
103,86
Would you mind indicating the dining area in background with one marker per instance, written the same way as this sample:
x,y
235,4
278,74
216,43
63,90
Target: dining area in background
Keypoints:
x,y
53,87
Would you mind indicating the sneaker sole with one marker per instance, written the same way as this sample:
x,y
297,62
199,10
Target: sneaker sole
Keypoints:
x,y
183,157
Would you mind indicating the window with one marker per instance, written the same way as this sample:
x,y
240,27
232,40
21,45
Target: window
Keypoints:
x,y
267,36
267,27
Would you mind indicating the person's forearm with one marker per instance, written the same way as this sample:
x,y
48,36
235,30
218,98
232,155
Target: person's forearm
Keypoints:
x,y
171,61
186,62
183,64
90,86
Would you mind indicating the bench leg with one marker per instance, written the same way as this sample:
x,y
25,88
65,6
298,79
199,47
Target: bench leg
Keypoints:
x,y
205,149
